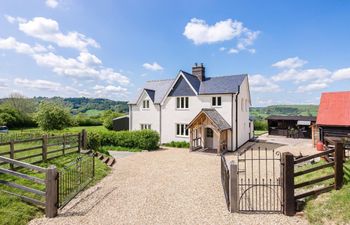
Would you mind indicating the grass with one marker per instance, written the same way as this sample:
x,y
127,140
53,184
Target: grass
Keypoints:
x,y
15,212
105,149
259,132
94,112
329,208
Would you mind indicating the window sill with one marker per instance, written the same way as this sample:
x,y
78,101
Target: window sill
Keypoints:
x,y
185,109
216,106
182,136
145,109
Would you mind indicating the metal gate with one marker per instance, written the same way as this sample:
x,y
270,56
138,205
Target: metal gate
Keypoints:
x,y
259,181
75,177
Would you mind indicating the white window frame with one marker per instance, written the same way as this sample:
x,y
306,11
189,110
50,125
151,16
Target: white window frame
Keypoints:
x,y
145,104
145,126
181,130
182,103
216,101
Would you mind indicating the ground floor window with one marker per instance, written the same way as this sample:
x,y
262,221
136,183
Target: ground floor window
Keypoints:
x,y
145,126
210,133
181,129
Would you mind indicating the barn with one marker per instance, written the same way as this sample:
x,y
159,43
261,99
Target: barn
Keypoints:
x,y
121,123
333,119
291,126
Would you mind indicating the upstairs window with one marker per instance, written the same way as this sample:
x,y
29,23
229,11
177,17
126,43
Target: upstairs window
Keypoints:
x,y
182,103
145,104
145,126
181,130
216,101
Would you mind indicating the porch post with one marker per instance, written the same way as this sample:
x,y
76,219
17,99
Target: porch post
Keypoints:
x,y
219,144
191,139
202,136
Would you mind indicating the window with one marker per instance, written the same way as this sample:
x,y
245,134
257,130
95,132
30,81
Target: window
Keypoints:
x,y
145,104
210,133
181,129
182,102
145,126
216,101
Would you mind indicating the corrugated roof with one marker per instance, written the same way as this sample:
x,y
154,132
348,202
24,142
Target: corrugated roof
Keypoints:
x,y
334,109
296,118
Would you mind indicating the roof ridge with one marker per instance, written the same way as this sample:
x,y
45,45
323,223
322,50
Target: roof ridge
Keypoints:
x,y
159,80
243,74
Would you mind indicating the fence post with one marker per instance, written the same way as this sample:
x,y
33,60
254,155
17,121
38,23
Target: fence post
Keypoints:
x,y
338,165
64,144
45,140
12,153
84,139
51,192
233,187
288,183
79,142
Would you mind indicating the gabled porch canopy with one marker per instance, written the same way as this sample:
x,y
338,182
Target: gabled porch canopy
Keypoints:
x,y
209,130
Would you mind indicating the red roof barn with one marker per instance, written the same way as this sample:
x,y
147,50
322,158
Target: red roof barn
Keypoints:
x,y
333,116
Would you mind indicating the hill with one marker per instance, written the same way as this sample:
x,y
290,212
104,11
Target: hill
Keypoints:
x,y
260,113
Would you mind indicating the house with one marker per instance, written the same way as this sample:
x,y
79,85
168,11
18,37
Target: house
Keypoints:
x,y
209,112
333,119
291,126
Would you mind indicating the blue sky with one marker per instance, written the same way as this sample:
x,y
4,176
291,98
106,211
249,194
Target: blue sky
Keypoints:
x,y
292,50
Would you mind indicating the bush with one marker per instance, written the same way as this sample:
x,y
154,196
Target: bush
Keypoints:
x,y
260,125
53,116
143,139
94,141
178,144
108,117
85,120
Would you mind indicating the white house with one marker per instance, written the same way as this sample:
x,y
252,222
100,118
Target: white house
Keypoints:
x,y
208,112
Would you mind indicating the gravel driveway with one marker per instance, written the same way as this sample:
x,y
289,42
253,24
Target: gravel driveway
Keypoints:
x,y
169,186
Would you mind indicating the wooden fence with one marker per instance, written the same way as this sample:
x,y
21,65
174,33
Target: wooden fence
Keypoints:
x,y
289,186
229,183
50,183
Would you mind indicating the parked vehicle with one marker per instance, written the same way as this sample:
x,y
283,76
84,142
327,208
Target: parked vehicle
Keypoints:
x,y
4,129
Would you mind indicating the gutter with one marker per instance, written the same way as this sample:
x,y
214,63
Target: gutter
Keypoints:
x,y
239,89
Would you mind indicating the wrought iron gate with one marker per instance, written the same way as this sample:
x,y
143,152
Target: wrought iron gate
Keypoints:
x,y
75,177
259,181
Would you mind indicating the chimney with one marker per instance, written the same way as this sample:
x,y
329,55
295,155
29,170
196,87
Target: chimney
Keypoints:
x,y
199,71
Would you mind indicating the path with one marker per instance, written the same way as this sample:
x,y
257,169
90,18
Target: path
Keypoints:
x,y
162,187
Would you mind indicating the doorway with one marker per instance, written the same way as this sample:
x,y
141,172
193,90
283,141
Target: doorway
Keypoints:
x,y
209,136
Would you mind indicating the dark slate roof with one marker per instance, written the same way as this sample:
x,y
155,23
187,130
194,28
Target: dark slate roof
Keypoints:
x,y
193,80
159,87
217,119
294,118
221,85
151,94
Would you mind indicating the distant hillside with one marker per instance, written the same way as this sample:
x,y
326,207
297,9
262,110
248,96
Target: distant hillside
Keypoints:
x,y
284,110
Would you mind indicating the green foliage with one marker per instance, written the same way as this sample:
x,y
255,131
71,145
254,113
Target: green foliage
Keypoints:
x,y
260,113
94,141
108,117
144,139
52,116
178,144
260,125
118,148
85,120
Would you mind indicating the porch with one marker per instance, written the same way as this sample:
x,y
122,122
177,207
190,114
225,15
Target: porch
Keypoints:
x,y
209,132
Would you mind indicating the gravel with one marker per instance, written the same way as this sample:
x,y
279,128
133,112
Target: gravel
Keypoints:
x,y
170,186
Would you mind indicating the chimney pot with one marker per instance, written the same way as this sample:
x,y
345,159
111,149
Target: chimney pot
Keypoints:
x,y
199,71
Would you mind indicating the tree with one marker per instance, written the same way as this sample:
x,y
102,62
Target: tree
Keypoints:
x,y
21,103
53,116
108,117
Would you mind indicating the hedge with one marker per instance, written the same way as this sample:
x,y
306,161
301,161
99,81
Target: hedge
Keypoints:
x,y
178,144
142,139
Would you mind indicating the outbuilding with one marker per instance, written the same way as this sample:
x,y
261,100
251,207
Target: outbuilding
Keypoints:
x,y
291,126
121,123
333,119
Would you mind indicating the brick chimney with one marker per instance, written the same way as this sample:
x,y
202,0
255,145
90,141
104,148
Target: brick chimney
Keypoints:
x,y
199,71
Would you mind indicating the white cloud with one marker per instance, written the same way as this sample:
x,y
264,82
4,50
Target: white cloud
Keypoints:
x,y
12,19
48,30
314,86
11,43
300,75
341,74
232,51
259,83
222,49
290,63
154,67
88,59
51,3
109,90
3,83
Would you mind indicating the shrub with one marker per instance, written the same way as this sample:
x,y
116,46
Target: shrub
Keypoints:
x,y
260,125
143,139
85,120
52,116
94,141
178,144
108,117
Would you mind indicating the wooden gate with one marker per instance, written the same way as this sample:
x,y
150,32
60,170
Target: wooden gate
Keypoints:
x,y
259,181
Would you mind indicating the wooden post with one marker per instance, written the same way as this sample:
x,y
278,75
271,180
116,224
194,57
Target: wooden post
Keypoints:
x,y
219,143
51,192
338,165
79,141
64,145
191,139
12,153
84,139
288,184
233,187
45,140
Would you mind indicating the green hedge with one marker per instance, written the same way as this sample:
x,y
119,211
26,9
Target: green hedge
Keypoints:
x,y
178,144
143,139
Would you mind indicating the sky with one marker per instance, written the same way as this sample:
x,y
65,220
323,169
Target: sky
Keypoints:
x,y
291,50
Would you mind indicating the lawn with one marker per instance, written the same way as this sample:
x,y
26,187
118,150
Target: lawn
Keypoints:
x,y
259,132
328,208
15,212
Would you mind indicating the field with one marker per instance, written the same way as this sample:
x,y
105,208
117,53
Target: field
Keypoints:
x,y
13,211
260,113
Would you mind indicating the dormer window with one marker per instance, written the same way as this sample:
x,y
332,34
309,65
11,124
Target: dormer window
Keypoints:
x,y
216,101
145,104
182,103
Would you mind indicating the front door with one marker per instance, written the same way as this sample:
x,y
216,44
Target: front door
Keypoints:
x,y
209,135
